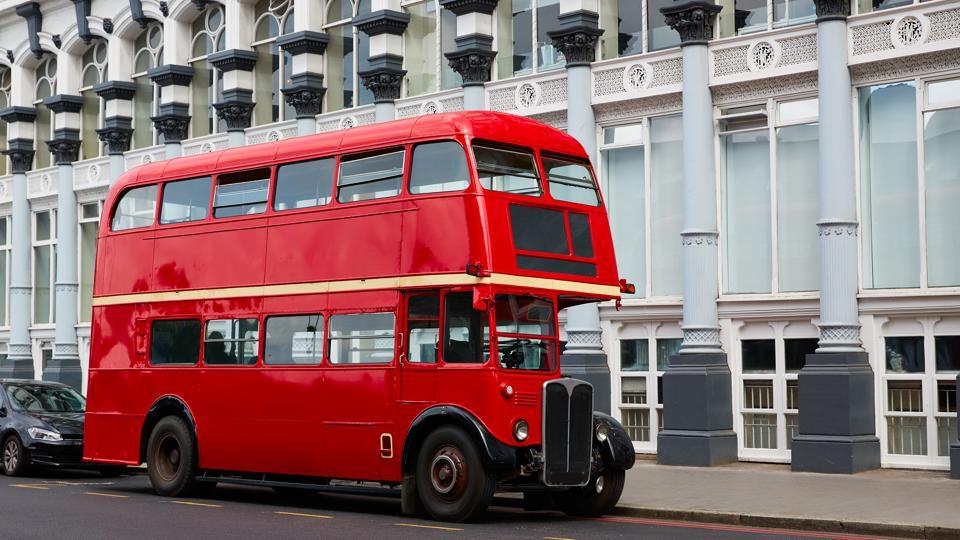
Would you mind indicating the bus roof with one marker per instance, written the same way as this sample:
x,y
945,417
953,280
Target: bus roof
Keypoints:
x,y
494,126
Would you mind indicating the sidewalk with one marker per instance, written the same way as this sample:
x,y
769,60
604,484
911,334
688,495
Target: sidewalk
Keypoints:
x,y
912,504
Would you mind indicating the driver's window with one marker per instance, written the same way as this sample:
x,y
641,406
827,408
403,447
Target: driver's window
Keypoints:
x,y
466,332
423,321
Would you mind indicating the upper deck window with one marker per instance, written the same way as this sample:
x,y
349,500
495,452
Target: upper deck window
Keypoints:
x,y
571,182
185,200
304,184
439,167
241,194
135,209
371,177
507,170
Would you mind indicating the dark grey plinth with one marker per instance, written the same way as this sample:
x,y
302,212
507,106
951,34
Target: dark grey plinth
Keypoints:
x,y
837,430
64,370
16,369
697,412
593,369
955,445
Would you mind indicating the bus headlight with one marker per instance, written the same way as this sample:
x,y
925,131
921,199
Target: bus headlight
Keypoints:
x,y
521,430
601,432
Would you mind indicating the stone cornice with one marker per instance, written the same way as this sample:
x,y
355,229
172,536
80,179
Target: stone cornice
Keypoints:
x,y
18,114
463,7
384,21
171,74
233,60
116,90
64,103
306,41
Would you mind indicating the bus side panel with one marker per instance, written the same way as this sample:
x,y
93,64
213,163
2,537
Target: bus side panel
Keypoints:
x,y
124,263
209,258
437,237
337,249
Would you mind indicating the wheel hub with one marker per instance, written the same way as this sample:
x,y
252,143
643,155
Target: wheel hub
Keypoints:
x,y
599,484
168,457
448,472
11,456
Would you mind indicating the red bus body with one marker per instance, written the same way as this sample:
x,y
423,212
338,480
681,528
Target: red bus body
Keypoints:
x,y
323,420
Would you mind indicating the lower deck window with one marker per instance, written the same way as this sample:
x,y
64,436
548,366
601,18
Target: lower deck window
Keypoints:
x,y
231,342
294,340
175,342
362,338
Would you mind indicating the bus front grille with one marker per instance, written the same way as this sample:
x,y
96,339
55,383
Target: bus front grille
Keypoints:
x,y
567,430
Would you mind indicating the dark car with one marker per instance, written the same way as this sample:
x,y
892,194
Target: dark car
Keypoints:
x,y
41,423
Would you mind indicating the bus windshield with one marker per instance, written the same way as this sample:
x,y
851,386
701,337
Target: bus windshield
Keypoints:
x,y
526,333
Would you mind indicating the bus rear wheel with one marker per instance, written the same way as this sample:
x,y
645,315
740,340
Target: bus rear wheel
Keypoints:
x,y
599,497
171,458
451,480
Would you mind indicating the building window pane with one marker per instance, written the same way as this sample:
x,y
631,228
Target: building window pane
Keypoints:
x,y
637,423
88,251
905,396
797,207
42,274
522,36
789,12
624,179
185,200
760,431
304,184
266,79
666,204
941,141
948,353
439,167
907,435
758,356
633,390
634,355
4,282
339,61
231,342
420,49
904,354
939,92
757,394
548,57
747,16
746,212
661,36
795,353
448,34
90,145
666,349
293,340
888,186
363,338
629,36
363,60
175,342
946,435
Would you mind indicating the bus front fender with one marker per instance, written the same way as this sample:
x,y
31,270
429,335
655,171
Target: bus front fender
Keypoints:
x,y
496,454
617,450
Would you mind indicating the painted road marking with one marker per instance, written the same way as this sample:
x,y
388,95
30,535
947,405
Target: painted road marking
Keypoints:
x,y
106,495
436,527
66,483
556,538
29,486
190,503
299,514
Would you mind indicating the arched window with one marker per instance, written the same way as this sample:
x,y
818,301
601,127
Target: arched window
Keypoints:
x,y
5,80
148,53
347,54
273,70
209,36
523,40
46,86
93,72
427,68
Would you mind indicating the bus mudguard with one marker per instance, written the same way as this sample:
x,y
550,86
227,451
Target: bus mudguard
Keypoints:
x,y
165,406
617,451
497,454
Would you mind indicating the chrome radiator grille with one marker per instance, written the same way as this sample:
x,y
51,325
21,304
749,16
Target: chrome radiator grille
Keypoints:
x,y
567,431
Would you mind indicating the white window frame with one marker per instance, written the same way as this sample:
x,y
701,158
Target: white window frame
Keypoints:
x,y
80,221
214,36
535,26
282,64
155,56
52,81
5,248
101,69
52,243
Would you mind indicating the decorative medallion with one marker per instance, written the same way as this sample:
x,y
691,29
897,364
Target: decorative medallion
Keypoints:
x,y
46,182
763,55
206,147
527,96
273,135
93,173
636,77
431,107
146,159
348,122
909,31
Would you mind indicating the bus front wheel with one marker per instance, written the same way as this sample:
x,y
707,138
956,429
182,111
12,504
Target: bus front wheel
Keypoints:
x,y
171,457
595,499
451,480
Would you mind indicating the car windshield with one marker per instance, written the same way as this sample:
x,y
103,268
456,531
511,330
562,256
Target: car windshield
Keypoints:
x,y
526,334
44,399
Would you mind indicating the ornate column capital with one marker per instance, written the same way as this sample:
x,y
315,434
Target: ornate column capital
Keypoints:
x,y
384,77
832,10
20,152
172,122
473,65
306,99
577,37
692,20
65,150
235,109
116,134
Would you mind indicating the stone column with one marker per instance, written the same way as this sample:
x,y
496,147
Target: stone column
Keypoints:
x,y
236,106
955,445
173,118
20,150
385,26
837,431
65,365
474,56
305,91
577,40
697,403
117,121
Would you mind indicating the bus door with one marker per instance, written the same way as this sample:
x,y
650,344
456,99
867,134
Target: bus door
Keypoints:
x,y
420,346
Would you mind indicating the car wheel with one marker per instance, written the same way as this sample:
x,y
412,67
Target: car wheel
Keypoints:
x,y
451,480
171,458
595,499
15,458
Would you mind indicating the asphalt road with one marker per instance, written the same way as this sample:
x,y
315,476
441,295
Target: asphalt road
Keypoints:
x,y
80,505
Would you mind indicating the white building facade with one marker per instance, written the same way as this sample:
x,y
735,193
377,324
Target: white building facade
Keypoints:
x,y
756,157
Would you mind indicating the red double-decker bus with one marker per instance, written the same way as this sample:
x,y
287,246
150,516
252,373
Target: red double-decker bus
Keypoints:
x,y
376,304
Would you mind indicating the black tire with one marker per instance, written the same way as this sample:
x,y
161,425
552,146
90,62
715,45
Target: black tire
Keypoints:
x,y
16,459
452,481
111,471
172,458
597,498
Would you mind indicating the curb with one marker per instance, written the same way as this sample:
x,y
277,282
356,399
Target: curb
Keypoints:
x,y
799,523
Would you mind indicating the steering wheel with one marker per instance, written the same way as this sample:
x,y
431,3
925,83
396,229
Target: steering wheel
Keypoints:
x,y
513,354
